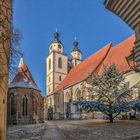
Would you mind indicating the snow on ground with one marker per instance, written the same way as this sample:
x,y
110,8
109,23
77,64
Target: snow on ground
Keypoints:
x,y
77,130
25,132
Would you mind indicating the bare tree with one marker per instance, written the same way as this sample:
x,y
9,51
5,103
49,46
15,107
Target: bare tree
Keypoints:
x,y
15,52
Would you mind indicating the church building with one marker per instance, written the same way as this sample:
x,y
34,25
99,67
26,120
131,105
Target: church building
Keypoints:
x,y
25,103
66,78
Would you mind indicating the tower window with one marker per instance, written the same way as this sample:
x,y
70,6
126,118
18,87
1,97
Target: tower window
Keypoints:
x,y
49,79
25,106
50,101
49,64
60,78
59,62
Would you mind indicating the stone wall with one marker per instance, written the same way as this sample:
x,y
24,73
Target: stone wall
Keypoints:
x,y
5,17
35,113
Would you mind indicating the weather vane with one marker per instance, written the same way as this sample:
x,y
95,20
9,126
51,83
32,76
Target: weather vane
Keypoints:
x,y
56,29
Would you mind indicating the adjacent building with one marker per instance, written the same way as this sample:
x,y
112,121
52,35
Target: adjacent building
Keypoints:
x,y
5,24
25,103
129,12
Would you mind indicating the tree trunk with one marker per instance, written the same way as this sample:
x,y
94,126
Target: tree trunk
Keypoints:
x,y
111,118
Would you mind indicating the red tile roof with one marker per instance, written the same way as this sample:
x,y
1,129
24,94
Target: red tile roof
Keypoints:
x,y
81,71
104,56
118,55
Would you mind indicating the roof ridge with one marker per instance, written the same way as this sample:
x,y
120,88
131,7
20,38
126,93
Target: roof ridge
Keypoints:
x,y
110,46
118,44
103,50
23,77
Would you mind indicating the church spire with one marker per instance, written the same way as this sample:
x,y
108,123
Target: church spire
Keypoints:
x,y
76,44
23,78
21,62
56,44
56,36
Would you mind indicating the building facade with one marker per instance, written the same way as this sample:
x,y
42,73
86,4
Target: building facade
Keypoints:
x,y
73,87
59,103
25,103
56,63
58,66
5,24
129,12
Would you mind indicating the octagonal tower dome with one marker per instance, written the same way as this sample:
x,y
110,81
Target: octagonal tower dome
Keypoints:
x,y
56,44
76,52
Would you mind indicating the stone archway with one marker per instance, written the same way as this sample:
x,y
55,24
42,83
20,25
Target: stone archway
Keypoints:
x,y
50,113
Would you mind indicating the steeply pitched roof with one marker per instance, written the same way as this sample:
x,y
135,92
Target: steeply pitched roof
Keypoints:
x,y
118,54
23,78
104,56
81,71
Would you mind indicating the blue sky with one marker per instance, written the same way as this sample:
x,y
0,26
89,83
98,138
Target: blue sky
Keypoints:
x,y
88,20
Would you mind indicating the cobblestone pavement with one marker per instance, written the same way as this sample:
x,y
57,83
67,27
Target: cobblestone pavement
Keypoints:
x,y
78,130
26,132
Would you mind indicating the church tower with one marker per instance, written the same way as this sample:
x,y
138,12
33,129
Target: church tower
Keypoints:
x,y
76,54
56,63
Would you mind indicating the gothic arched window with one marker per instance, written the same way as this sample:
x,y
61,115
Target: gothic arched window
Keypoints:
x,y
59,62
13,106
68,97
78,95
36,105
24,106
49,64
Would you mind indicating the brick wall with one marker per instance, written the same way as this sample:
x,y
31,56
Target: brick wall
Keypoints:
x,y
35,106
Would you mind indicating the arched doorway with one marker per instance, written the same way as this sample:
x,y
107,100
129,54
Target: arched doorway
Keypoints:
x,y
50,113
68,105
50,110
